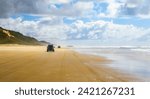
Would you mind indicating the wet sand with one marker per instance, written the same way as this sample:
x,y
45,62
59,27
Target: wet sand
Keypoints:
x,y
34,64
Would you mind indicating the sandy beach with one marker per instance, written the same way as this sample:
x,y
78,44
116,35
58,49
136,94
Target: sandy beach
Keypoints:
x,y
33,64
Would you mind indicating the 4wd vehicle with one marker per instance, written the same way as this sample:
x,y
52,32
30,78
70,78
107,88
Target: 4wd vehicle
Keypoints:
x,y
59,46
50,48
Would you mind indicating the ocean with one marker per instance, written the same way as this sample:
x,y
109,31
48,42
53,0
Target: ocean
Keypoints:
x,y
130,60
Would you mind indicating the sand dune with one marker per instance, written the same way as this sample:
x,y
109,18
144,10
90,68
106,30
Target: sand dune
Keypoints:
x,y
33,63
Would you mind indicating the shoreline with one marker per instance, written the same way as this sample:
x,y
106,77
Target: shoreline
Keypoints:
x,y
34,64
125,60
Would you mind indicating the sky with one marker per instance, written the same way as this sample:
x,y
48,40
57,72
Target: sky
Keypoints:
x,y
93,22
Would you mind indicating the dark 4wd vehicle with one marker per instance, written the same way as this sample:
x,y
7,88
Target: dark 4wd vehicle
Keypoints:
x,y
50,48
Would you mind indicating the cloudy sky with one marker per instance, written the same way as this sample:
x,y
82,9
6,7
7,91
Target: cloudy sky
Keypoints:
x,y
97,21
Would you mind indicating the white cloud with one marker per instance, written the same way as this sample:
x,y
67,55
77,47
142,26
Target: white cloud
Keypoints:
x,y
58,1
125,8
33,7
106,31
113,8
37,29
51,25
45,8
136,8
45,29
78,9
84,5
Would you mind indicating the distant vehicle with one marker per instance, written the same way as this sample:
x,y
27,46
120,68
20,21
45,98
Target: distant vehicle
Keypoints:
x,y
50,48
59,46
